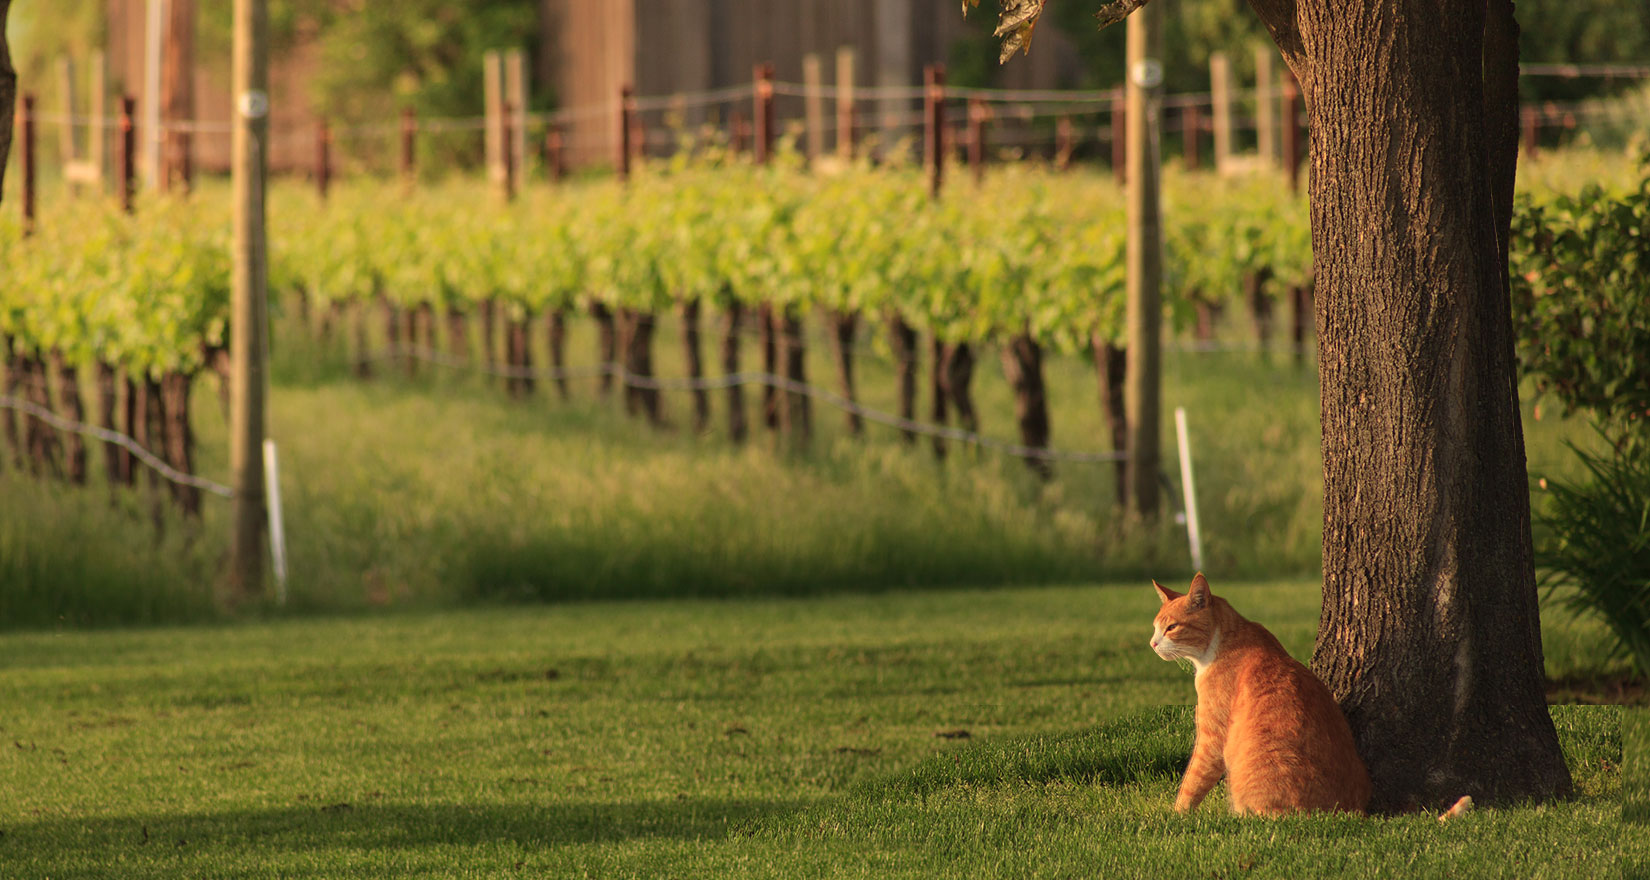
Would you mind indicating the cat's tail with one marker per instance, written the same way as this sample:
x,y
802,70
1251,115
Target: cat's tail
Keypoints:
x,y
1461,808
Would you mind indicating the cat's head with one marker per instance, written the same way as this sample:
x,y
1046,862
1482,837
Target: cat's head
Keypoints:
x,y
1185,625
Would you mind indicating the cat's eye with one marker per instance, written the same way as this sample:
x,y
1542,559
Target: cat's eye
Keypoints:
x,y
1172,627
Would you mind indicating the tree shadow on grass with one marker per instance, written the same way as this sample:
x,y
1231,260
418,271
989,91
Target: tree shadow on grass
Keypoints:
x,y
71,846
1150,745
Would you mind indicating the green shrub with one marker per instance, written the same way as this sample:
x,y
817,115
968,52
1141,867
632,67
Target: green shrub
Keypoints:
x,y
1598,541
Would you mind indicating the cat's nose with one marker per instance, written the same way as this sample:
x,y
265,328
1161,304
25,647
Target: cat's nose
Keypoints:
x,y
1154,643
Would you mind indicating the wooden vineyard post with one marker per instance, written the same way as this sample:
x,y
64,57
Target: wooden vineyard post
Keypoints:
x,y
492,80
249,151
555,161
978,115
68,146
508,156
26,146
813,79
125,154
409,147
1266,107
513,117
845,112
621,149
323,158
1065,143
934,161
1119,139
1291,131
1220,93
1191,126
1144,255
762,113
97,134
177,98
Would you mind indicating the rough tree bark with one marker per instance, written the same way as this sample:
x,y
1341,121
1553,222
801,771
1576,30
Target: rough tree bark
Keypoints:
x,y
636,328
1430,632
108,398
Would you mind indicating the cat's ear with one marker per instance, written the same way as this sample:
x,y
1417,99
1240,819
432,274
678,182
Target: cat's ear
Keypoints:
x,y
1199,591
1164,593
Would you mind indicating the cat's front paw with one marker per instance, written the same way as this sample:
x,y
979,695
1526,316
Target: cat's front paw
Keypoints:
x,y
1184,805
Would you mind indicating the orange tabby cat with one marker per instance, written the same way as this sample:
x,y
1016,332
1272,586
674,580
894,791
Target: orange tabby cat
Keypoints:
x,y
1264,721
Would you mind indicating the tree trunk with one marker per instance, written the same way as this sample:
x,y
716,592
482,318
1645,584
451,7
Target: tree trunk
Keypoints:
x,y
903,340
937,396
134,426
180,439
556,333
1260,304
424,324
68,395
638,364
732,314
363,349
458,334
1111,363
1023,365
1208,315
392,329
43,441
797,415
518,356
959,380
115,458
695,364
843,327
606,345
152,417
14,383
489,333
1300,298
1430,633
8,95
770,365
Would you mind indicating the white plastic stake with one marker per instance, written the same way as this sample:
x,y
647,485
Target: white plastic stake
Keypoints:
x,y
1193,537
277,528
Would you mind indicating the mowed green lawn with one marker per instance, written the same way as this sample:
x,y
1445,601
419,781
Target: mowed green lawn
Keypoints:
x,y
1002,733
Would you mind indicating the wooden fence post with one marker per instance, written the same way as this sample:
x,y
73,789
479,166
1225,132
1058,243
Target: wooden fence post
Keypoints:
x,y
1532,130
813,80
68,147
1144,314
933,116
126,154
1220,93
507,135
621,147
1119,139
978,114
513,118
1191,133
846,116
409,146
492,81
28,161
1291,131
323,158
762,112
1266,106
